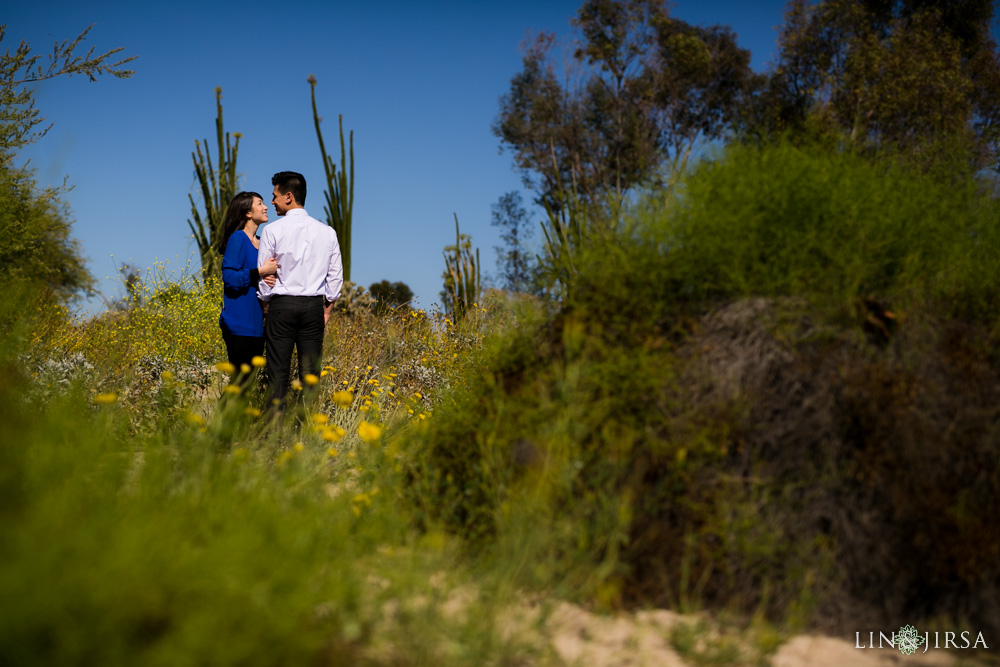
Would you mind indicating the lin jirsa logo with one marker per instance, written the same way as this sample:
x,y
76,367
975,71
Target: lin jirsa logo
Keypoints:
x,y
908,640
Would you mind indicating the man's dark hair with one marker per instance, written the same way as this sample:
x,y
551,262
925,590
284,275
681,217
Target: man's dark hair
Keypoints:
x,y
290,181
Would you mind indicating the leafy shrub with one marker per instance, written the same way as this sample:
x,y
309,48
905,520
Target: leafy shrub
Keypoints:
x,y
749,400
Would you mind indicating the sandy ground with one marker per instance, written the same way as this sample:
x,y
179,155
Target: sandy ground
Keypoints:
x,y
578,637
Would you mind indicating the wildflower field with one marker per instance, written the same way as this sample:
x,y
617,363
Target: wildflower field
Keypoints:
x,y
769,403
139,475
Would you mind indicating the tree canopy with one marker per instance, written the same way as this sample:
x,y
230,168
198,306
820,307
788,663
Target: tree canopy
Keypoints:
x,y
516,265
634,99
897,75
389,296
35,241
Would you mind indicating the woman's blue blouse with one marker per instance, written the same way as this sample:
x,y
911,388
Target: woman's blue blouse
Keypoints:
x,y
241,311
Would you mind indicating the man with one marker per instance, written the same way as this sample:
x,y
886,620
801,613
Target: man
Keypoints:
x,y
309,279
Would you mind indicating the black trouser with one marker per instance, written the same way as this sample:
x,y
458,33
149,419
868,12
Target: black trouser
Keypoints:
x,y
292,322
242,349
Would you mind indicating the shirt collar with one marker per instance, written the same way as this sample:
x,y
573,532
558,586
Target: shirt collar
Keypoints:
x,y
296,212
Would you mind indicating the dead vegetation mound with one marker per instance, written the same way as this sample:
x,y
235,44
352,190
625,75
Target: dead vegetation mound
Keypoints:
x,y
861,475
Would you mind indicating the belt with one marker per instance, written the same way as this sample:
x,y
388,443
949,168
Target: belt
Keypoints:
x,y
296,296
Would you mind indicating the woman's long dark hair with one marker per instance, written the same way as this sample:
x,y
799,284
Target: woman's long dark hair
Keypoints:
x,y
236,217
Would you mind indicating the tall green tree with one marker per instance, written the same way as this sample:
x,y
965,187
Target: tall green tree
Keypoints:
x,y
35,241
645,89
339,191
887,75
515,263
217,185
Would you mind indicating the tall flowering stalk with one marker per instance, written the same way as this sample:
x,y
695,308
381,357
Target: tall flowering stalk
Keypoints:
x,y
339,186
218,187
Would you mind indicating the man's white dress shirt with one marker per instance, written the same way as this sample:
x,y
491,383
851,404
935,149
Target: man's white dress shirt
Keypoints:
x,y
308,257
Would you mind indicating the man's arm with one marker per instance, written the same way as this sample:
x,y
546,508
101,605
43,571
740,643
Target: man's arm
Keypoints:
x,y
264,253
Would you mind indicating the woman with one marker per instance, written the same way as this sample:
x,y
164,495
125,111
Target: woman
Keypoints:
x,y
242,319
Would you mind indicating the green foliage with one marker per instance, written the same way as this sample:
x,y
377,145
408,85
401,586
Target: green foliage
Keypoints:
x,y
827,225
572,225
217,188
890,76
461,276
164,548
390,296
339,187
35,242
753,400
152,515
18,70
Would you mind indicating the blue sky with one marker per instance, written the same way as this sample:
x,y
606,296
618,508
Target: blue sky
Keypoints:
x,y
418,83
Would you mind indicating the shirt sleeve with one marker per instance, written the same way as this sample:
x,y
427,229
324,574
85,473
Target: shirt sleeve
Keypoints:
x,y
234,275
264,253
335,271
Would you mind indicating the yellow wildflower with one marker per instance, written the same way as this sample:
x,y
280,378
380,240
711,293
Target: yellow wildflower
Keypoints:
x,y
320,418
166,376
232,389
192,418
225,367
333,433
258,361
106,399
332,452
252,412
311,379
343,398
245,369
298,446
370,433
296,385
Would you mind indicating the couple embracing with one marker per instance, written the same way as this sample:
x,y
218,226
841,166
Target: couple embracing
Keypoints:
x,y
278,290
